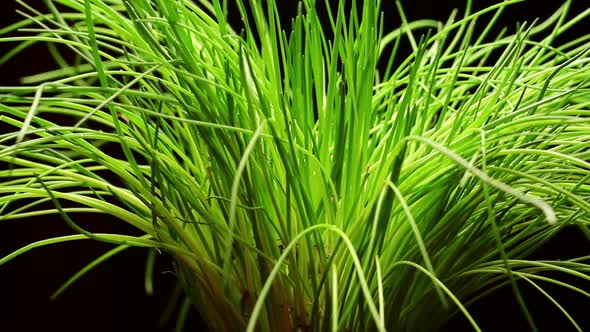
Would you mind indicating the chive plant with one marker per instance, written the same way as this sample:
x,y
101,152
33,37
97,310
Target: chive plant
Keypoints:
x,y
295,184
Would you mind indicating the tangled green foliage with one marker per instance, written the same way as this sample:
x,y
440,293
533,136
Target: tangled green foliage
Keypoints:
x,y
295,184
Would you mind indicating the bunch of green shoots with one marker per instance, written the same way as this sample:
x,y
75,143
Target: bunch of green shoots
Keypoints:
x,y
296,185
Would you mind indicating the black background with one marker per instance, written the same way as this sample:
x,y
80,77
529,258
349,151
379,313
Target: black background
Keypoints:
x,y
112,297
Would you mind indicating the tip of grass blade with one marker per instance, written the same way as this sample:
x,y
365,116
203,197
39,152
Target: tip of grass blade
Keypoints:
x,y
548,211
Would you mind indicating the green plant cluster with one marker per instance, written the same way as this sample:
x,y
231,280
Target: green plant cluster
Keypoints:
x,y
296,185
